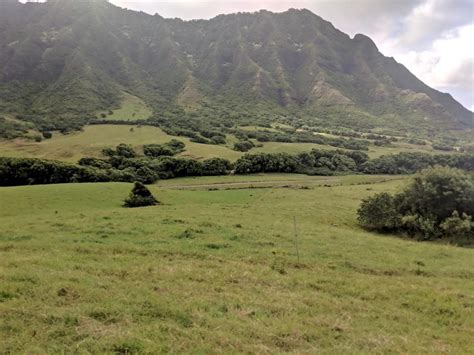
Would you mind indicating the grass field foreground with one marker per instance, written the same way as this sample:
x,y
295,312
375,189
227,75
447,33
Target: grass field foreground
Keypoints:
x,y
216,271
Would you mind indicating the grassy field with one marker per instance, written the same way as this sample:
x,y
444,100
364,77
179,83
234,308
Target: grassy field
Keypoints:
x,y
216,271
93,139
132,108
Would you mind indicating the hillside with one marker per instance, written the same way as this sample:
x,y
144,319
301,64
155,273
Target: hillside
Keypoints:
x,y
64,62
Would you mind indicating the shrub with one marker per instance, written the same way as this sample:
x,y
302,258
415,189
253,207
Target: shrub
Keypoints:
x,y
47,135
171,148
457,226
122,150
218,140
125,150
216,166
157,150
140,196
438,203
243,146
379,212
177,145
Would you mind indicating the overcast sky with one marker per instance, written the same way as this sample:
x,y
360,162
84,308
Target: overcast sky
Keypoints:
x,y
433,38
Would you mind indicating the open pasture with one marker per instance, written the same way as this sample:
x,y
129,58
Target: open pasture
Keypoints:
x,y
214,269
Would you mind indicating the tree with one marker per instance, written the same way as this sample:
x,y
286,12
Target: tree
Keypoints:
x,y
437,193
140,196
379,212
438,203
125,150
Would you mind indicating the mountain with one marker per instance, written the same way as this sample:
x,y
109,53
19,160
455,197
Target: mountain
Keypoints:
x,y
65,61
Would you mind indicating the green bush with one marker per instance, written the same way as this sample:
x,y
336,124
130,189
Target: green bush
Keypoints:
x,y
140,196
122,150
457,226
243,146
379,212
158,150
438,203
170,149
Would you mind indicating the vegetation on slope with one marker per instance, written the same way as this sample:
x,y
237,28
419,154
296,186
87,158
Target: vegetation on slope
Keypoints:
x,y
63,62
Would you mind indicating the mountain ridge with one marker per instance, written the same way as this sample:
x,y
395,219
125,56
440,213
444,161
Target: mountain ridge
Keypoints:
x,y
71,59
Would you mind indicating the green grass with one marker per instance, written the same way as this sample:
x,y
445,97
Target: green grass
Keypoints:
x,y
131,108
94,139
216,271
91,141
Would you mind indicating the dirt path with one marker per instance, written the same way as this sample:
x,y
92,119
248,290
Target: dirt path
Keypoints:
x,y
250,183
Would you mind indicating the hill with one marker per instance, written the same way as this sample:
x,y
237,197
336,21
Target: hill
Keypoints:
x,y
64,63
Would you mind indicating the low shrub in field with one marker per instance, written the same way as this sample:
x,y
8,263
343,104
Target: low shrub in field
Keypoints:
x,y
171,148
243,146
140,196
439,203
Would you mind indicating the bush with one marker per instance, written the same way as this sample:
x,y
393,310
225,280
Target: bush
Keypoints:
x,y
379,212
216,166
47,135
243,146
457,226
170,149
157,150
125,150
122,150
218,140
438,203
140,196
177,145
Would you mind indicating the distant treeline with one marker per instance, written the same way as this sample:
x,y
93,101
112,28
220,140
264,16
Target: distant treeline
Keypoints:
x,y
123,164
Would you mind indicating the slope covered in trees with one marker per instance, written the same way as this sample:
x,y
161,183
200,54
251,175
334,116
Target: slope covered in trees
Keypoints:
x,y
63,61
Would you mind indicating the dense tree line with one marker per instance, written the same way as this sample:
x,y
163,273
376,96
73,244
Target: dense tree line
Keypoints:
x,y
124,164
408,163
439,203
24,171
316,162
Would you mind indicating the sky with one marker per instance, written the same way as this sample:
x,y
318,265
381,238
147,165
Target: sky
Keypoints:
x,y
434,39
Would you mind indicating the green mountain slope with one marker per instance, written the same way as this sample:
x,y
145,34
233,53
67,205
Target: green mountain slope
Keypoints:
x,y
64,61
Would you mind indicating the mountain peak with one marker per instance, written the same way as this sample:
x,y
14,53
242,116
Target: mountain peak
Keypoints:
x,y
365,41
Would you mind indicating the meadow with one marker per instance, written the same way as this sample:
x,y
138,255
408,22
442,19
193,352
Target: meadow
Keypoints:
x,y
213,268
93,139
131,108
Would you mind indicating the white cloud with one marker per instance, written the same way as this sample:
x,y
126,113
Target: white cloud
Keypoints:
x,y
449,62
